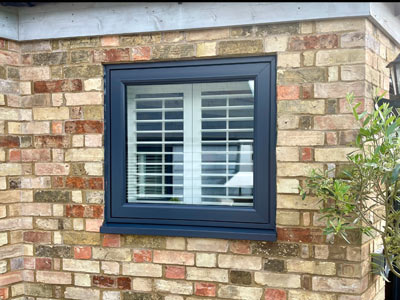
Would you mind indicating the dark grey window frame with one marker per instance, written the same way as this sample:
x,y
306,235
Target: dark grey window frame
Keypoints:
x,y
250,223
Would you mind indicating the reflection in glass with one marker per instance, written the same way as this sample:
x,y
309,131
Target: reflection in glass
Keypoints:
x,y
191,143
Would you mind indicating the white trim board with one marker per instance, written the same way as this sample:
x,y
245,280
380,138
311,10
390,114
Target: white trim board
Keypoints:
x,y
64,20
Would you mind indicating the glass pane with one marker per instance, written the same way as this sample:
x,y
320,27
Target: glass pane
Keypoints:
x,y
191,143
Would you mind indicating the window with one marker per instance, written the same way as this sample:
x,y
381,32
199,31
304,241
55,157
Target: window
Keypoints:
x,y
190,148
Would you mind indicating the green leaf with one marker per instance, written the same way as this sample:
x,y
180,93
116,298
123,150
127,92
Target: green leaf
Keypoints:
x,y
395,173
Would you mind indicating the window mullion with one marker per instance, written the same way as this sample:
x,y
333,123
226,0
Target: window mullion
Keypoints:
x,y
187,145
197,149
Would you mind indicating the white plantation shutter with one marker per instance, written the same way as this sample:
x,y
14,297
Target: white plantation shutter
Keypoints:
x,y
191,143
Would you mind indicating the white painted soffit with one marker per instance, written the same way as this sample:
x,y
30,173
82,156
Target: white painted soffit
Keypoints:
x,y
63,20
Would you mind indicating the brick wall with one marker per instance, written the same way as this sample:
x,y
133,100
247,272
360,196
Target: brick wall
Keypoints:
x,y
51,184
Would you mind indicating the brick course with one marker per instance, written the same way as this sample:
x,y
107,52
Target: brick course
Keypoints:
x,y
52,189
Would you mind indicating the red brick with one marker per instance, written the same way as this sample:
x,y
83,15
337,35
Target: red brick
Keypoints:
x,y
56,86
240,247
37,237
332,122
14,155
4,293
124,283
175,272
142,256
57,182
111,240
9,141
103,281
111,55
141,53
51,141
96,211
205,289
75,211
29,263
331,138
288,92
306,154
35,155
307,91
56,127
95,183
81,211
83,252
43,263
274,294
304,235
10,277
173,257
325,41
83,127
75,183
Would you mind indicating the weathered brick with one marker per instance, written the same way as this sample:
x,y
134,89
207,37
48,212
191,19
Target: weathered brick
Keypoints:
x,y
214,245
206,274
275,294
333,154
239,262
300,138
114,254
240,277
288,92
37,237
206,49
93,84
51,169
267,249
49,277
306,42
278,279
287,218
175,287
81,293
175,272
88,71
239,292
79,265
143,241
85,154
142,255
81,238
206,260
301,107
240,47
111,240
339,57
86,98
291,169
307,295
340,25
173,51
51,113
111,55
312,267
304,235
9,141
209,34
332,122
173,257
109,41
77,127
34,73
343,285
103,281
53,251
143,270
56,86
51,141
302,75
51,58
12,114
